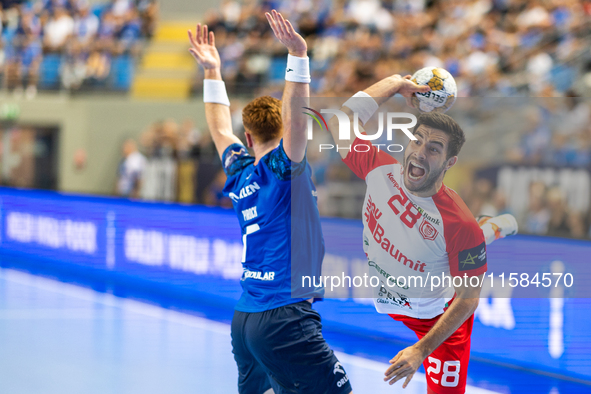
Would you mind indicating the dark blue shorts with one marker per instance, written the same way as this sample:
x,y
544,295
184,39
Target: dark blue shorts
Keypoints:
x,y
284,349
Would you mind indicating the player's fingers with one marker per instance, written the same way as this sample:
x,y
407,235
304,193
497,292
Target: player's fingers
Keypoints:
x,y
397,375
391,374
191,39
290,29
272,24
211,39
400,375
396,357
408,76
389,371
407,381
394,367
423,88
280,23
205,35
198,34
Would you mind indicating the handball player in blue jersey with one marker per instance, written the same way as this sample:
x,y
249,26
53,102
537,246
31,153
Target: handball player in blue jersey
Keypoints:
x,y
276,339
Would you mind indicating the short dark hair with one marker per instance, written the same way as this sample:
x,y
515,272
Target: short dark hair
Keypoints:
x,y
446,124
262,118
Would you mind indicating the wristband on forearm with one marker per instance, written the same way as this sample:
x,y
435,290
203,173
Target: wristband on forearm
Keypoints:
x,y
298,69
362,104
214,91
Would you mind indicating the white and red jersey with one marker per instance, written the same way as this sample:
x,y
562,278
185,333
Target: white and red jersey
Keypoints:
x,y
409,236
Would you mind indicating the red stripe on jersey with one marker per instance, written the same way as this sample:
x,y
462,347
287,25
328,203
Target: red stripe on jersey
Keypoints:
x,y
464,240
364,157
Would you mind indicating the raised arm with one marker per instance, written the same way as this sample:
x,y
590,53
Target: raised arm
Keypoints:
x,y
294,122
365,103
217,105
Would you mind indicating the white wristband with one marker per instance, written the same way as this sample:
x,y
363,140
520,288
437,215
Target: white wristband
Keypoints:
x,y
214,91
298,69
362,104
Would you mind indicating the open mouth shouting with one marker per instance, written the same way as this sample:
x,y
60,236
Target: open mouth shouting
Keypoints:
x,y
414,171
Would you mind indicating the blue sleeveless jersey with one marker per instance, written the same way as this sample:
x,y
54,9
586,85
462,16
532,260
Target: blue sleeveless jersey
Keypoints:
x,y
277,209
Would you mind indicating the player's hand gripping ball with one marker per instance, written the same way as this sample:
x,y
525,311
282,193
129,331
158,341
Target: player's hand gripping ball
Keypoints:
x,y
443,90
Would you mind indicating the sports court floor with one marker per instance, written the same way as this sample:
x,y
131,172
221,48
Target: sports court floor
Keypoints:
x,y
62,338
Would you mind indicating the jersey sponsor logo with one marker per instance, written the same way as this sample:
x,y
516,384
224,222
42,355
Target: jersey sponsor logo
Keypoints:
x,y
473,258
258,275
427,230
391,178
372,215
250,213
233,156
393,298
385,274
246,191
338,367
427,216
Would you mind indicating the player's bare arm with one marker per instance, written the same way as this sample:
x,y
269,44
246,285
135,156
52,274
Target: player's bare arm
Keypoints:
x,y
380,91
294,123
408,361
218,116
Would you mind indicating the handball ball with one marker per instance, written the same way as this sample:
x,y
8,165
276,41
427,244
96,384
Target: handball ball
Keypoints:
x,y
443,90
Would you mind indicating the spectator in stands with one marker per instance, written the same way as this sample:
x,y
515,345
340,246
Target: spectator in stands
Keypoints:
x,y
535,220
98,66
576,225
86,24
29,23
130,32
131,170
74,66
558,224
22,65
120,7
107,32
149,14
58,30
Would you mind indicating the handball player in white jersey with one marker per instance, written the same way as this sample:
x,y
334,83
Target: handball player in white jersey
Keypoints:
x,y
415,226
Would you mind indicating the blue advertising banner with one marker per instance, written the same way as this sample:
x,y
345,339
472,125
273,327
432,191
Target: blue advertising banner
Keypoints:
x,y
196,251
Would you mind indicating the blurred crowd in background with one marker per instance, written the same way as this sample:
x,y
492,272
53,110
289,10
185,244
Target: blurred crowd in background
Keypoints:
x,y
172,162
69,44
492,47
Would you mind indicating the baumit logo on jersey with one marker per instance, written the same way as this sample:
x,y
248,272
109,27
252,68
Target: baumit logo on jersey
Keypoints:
x,y
372,218
390,118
